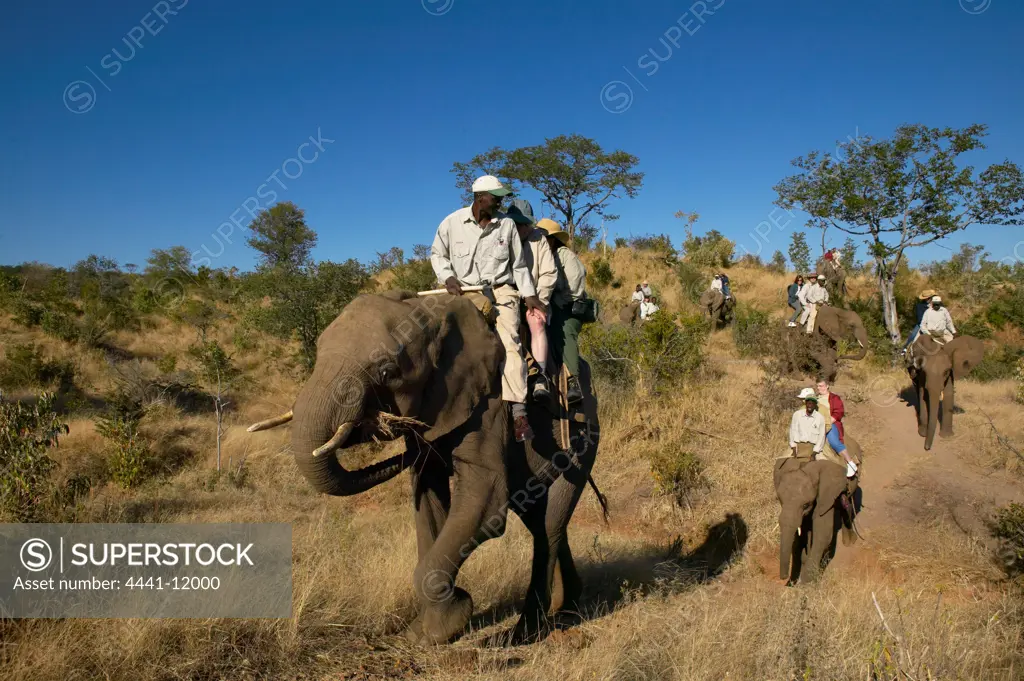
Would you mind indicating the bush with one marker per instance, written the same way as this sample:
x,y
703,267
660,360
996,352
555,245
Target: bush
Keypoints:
x,y
26,434
659,243
127,452
999,364
1009,530
26,313
60,325
1008,308
416,275
751,330
653,357
620,242
778,263
167,364
677,471
1019,377
600,274
144,300
711,250
974,326
693,281
26,367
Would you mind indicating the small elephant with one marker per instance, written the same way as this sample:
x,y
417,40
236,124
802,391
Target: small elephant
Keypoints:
x,y
433,366
630,314
718,308
934,369
813,510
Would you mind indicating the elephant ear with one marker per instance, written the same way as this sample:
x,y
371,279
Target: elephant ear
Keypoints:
x,y
832,482
967,353
466,356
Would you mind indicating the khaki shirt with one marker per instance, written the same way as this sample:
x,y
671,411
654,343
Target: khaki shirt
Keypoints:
x,y
572,278
804,428
541,263
937,321
816,294
480,255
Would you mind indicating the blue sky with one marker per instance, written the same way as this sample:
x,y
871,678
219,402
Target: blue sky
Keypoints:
x,y
180,128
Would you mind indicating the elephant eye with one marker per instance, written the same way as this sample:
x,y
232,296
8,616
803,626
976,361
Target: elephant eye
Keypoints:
x,y
388,372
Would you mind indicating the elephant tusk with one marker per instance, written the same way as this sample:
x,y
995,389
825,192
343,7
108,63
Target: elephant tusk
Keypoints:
x,y
271,423
798,530
344,430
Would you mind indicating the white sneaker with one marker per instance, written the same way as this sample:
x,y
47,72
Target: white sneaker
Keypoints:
x,y
851,469
791,324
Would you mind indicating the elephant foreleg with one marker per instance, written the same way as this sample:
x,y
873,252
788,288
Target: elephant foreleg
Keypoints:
x,y
922,411
432,500
946,425
823,535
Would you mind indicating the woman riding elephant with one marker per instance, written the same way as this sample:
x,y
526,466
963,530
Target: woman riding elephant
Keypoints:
x,y
428,369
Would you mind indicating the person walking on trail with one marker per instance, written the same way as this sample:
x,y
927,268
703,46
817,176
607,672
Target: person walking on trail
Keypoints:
x,y
807,427
937,322
479,246
638,295
924,301
815,296
570,288
795,300
646,289
831,407
648,307
541,263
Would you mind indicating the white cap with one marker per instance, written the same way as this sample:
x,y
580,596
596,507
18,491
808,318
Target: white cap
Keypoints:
x,y
808,394
936,299
490,184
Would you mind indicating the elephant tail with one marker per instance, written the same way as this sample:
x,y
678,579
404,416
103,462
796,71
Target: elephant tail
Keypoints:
x,y
600,497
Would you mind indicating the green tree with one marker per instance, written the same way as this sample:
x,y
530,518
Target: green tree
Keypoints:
x,y
848,255
903,192
711,250
169,263
281,236
778,263
799,253
217,374
576,177
26,435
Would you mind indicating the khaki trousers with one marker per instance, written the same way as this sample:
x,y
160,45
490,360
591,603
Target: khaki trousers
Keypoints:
x,y
513,378
810,315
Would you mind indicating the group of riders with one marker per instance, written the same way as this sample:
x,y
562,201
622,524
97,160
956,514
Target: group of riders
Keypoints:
x,y
647,300
533,280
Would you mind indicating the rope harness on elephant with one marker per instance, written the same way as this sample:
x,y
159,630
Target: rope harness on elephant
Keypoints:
x,y
565,435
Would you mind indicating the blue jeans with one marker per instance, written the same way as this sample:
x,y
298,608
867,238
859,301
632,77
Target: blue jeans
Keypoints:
x,y
910,338
833,440
725,290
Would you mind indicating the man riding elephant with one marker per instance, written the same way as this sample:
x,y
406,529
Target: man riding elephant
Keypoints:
x,y
835,275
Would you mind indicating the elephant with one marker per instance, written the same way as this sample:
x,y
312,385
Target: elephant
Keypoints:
x,y
630,314
832,324
811,494
934,369
835,277
430,367
714,304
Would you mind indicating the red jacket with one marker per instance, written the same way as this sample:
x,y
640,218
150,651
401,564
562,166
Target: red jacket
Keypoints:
x,y
835,408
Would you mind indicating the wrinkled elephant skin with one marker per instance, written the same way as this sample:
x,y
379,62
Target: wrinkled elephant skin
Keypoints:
x,y
714,304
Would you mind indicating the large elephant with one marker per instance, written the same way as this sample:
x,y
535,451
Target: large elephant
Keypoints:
x,y
832,325
835,277
391,358
934,369
717,307
817,500
630,314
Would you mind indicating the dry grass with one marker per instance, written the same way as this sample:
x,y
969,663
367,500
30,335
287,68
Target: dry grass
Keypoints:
x,y
673,592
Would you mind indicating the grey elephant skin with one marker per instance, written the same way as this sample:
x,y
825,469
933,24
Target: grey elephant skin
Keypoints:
x,y
714,304
835,278
630,314
809,493
934,369
434,359
834,324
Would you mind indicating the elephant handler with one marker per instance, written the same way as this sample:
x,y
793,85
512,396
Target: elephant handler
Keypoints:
x,y
831,407
479,246
541,262
807,427
937,322
570,292
815,296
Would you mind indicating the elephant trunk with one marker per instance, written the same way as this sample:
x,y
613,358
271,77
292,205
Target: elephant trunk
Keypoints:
x,y
933,394
789,523
862,340
318,422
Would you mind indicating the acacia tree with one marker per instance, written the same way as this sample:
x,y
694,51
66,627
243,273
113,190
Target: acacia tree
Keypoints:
x,y
902,193
576,177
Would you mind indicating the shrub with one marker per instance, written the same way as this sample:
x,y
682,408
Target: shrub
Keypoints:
x,y
711,250
26,367
127,452
600,274
1019,377
659,243
778,263
1009,530
144,300
620,242
26,434
998,364
92,331
751,330
1008,308
751,260
167,364
415,275
692,280
974,325
26,313
60,325
677,471
653,357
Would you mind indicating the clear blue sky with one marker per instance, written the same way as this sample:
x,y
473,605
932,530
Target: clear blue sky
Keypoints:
x,y
208,108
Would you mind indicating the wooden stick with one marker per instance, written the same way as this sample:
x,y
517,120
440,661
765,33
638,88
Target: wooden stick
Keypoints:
x,y
439,291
